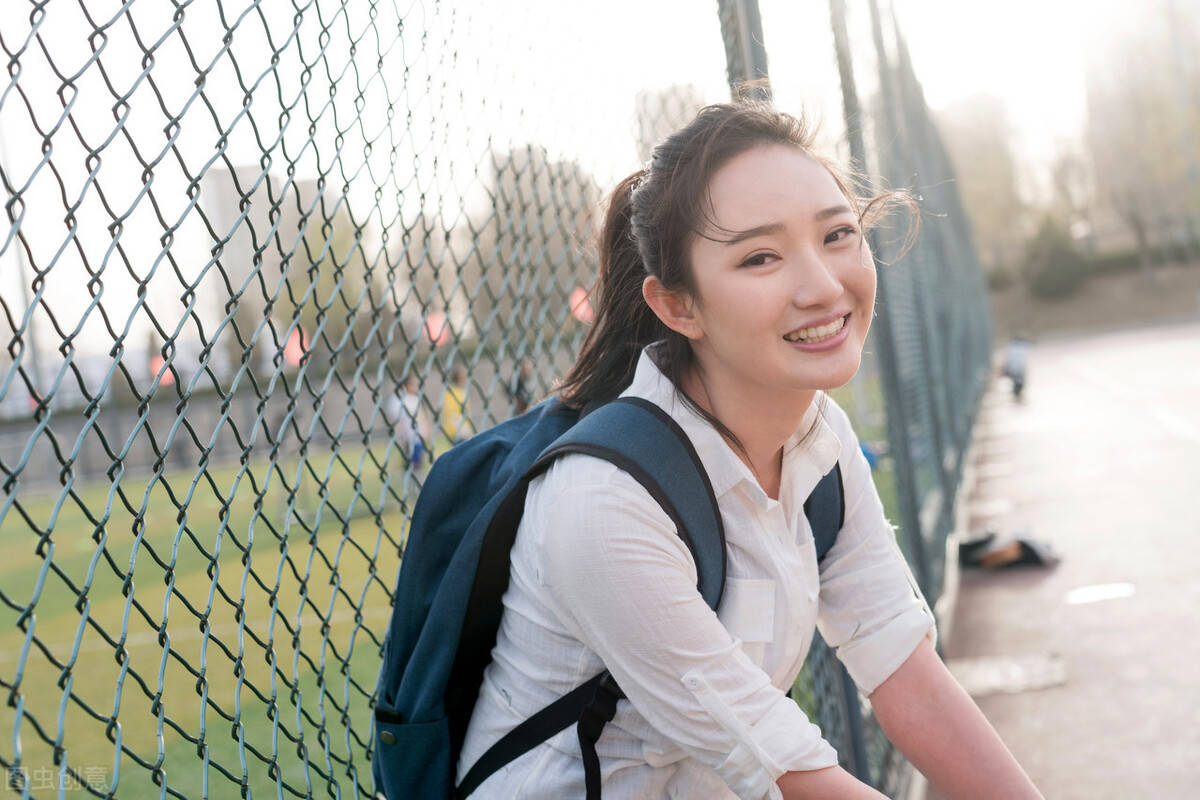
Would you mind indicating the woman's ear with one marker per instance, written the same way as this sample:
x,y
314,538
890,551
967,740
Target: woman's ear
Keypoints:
x,y
676,309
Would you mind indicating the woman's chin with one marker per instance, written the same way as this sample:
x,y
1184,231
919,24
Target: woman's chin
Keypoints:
x,y
836,374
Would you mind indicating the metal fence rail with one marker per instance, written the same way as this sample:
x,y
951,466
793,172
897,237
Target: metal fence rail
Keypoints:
x,y
235,230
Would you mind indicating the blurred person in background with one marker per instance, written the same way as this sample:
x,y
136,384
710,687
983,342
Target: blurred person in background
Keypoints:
x,y
520,388
1016,363
409,421
455,427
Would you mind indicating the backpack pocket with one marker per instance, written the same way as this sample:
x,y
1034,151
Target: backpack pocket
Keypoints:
x,y
412,758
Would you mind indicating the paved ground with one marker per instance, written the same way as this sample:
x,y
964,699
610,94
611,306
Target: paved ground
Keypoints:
x,y
1102,460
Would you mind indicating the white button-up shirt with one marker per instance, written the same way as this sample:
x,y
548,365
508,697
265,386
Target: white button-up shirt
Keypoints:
x,y
600,579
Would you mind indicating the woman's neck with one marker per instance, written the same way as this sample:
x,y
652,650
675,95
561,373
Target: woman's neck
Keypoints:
x,y
762,423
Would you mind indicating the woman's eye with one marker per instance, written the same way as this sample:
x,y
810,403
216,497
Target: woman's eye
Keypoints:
x,y
756,260
841,234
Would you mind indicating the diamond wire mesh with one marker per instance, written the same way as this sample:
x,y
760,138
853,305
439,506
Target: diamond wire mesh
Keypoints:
x,y
933,334
236,233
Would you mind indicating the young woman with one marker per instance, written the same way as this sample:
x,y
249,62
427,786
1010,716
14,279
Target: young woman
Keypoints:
x,y
735,286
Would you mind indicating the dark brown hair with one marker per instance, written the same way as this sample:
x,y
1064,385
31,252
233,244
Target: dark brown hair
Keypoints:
x,y
648,228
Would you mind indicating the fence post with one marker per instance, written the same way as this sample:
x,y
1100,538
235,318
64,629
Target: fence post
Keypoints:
x,y
858,155
899,443
745,52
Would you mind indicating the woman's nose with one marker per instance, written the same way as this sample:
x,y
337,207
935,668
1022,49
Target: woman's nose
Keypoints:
x,y
817,282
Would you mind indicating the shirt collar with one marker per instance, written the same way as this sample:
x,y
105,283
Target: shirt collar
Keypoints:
x,y
806,456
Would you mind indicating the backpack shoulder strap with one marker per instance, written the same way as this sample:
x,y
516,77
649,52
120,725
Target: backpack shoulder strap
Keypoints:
x,y
826,510
644,441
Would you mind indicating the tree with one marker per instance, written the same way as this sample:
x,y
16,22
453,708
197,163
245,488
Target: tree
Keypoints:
x,y
1071,182
978,135
1143,121
1055,268
288,250
426,274
334,283
523,253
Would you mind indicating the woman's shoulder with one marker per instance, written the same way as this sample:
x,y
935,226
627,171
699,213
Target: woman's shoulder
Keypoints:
x,y
578,475
581,492
585,510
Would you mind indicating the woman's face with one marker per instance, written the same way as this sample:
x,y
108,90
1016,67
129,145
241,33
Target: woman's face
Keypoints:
x,y
785,302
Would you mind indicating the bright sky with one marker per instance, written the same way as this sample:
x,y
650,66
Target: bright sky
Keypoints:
x,y
476,78
465,80
1029,53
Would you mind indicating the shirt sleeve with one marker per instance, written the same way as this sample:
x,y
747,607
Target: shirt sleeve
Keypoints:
x,y
624,583
871,610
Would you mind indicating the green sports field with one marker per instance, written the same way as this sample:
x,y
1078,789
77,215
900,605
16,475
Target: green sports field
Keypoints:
x,y
269,585
219,619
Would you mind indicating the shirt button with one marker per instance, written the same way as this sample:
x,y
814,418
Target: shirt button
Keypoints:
x,y
691,682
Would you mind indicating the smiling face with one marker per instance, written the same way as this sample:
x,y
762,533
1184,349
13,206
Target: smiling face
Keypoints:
x,y
785,289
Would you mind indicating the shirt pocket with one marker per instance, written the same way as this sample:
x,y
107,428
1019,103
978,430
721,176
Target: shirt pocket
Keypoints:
x,y
748,613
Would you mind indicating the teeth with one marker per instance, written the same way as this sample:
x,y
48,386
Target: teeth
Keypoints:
x,y
816,334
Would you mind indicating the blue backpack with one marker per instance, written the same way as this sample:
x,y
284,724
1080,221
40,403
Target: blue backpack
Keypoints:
x,y
455,569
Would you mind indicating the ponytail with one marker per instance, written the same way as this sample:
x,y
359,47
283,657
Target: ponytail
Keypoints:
x,y
624,324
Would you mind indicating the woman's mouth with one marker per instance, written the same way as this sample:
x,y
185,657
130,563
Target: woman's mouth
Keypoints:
x,y
817,334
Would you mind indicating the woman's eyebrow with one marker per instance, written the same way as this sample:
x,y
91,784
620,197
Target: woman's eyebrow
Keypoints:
x,y
776,227
832,211
750,233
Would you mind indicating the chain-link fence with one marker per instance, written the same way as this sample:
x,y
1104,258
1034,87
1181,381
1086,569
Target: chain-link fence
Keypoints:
x,y
265,259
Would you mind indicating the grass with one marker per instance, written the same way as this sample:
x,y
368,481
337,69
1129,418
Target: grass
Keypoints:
x,y
287,571
865,407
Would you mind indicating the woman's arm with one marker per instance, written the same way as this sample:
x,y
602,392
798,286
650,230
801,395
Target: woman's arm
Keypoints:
x,y
831,783
927,714
935,723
